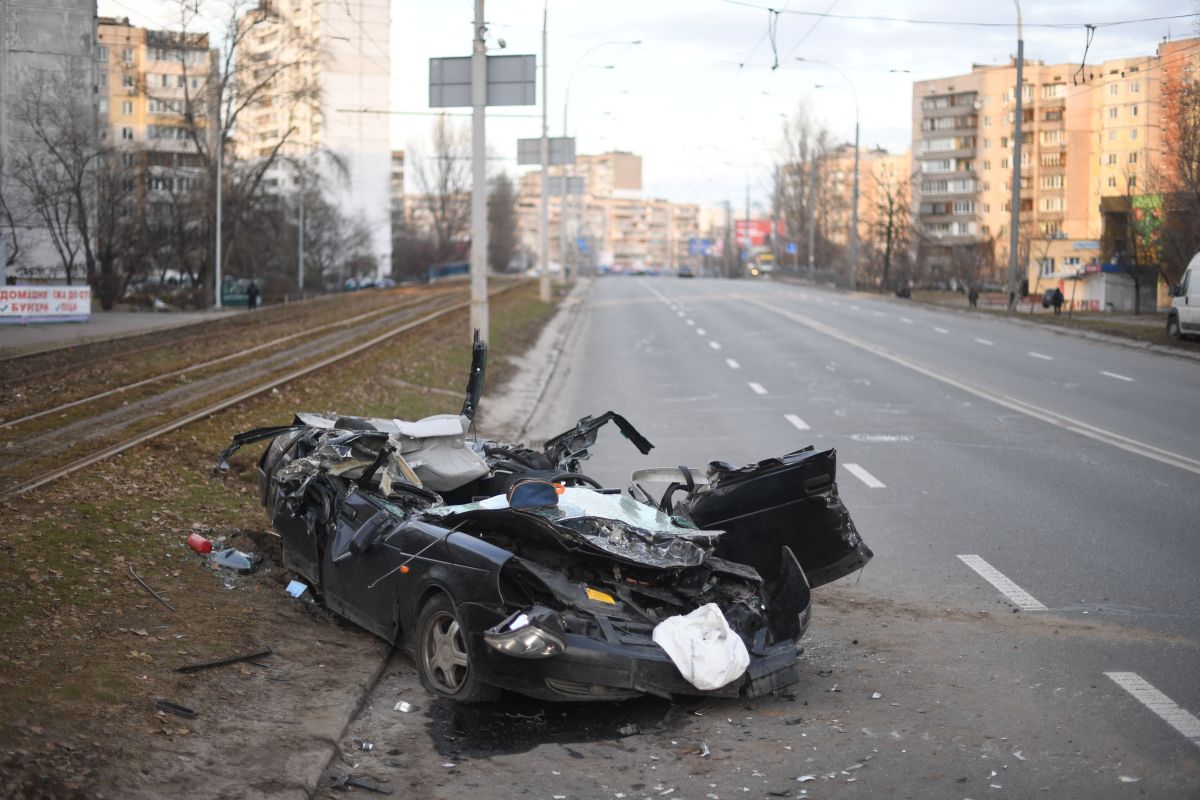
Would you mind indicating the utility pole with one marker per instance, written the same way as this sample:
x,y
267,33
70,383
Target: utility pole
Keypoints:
x,y
300,241
854,209
812,218
749,235
217,251
1014,222
544,217
479,231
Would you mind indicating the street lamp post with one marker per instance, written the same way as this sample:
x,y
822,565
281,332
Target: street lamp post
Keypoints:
x,y
1014,233
849,87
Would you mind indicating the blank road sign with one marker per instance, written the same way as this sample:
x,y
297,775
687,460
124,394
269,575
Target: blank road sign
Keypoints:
x,y
562,151
510,81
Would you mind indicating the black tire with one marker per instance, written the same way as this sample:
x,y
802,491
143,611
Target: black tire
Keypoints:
x,y
443,655
1174,333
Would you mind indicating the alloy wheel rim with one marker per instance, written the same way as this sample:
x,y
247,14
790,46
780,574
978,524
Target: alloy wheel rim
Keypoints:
x,y
444,653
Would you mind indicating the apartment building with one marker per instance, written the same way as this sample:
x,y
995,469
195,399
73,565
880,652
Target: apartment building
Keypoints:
x,y
1088,133
329,71
881,175
611,224
154,89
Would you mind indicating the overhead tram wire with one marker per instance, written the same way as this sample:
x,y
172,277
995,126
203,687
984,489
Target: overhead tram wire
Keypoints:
x,y
965,23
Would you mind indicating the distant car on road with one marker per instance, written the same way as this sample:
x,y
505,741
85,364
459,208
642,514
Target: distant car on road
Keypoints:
x,y
1183,320
686,272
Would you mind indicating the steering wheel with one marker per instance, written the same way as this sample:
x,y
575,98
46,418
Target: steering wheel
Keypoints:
x,y
575,478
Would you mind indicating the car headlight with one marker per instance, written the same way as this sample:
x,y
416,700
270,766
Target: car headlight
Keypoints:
x,y
534,633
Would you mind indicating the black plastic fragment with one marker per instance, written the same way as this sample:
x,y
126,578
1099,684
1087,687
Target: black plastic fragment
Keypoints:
x,y
223,662
175,708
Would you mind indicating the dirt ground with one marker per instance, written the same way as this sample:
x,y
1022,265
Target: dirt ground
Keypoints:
x,y
86,650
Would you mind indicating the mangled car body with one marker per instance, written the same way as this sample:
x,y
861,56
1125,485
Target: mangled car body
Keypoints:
x,y
503,567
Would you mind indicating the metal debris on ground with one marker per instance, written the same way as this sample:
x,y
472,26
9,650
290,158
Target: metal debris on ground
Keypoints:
x,y
153,593
806,778
876,695
296,588
631,729
202,665
1129,779
341,780
704,751
236,560
175,708
368,746
404,706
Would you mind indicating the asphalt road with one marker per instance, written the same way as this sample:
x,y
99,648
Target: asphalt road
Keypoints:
x,y
991,466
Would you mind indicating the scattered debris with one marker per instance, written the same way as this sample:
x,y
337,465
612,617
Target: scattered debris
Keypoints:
x,y
1018,756
632,729
296,588
1129,779
153,593
199,543
795,721
876,695
175,708
223,661
236,560
404,706
342,780
704,751
806,778
367,746
824,673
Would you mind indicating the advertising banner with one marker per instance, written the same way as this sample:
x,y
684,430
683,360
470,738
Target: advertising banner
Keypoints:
x,y
25,304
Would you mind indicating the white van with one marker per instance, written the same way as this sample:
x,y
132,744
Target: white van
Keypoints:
x,y
1184,317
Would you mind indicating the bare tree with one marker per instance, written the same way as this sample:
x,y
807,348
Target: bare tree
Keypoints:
x,y
444,183
502,223
1179,180
801,190
55,160
893,229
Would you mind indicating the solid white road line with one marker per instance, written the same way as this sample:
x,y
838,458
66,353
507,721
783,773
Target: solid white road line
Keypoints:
x,y
757,387
1021,598
1042,356
700,331
906,320
1094,432
1159,703
987,342
1115,375
715,345
941,330
733,364
799,423
864,476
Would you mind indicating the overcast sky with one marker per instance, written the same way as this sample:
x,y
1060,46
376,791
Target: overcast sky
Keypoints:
x,y
698,98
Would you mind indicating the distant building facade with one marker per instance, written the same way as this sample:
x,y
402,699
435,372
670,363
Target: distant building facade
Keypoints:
x,y
343,50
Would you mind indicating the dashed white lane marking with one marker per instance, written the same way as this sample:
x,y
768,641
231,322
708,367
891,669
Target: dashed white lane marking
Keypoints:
x,y
834,303
856,308
733,364
680,313
906,320
1020,598
800,424
1042,356
1118,377
1159,703
987,342
864,476
1102,435
690,321
941,330
880,313
757,387
700,331
715,345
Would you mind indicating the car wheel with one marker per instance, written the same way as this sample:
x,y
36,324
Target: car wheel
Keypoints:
x,y
1173,331
443,657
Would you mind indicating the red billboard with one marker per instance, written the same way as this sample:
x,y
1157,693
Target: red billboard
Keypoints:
x,y
753,232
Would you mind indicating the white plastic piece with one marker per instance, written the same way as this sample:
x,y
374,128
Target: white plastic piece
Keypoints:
x,y
703,647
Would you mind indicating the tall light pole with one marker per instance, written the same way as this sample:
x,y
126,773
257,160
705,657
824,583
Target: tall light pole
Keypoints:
x,y
544,211
849,87
1014,222
479,231
217,251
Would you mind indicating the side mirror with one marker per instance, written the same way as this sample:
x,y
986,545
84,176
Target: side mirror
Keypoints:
x,y
1173,291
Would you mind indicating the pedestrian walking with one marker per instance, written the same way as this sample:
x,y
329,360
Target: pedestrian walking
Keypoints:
x,y
1057,301
973,297
252,295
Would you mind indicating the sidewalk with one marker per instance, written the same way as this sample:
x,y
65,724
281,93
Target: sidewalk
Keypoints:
x,y
36,337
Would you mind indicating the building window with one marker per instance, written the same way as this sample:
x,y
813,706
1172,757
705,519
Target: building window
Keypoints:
x,y
1133,110
987,165
103,53
1046,266
1133,158
127,159
1132,181
1133,133
127,133
1004,163
1071,261
1052,181
127,56
102,78
1112,113
1112,136
1112,88
964,207
127,107
127,81
1135,87
1112,158
1112,181
102,105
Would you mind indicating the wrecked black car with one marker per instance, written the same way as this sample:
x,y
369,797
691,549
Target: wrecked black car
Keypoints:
x,y
503,567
